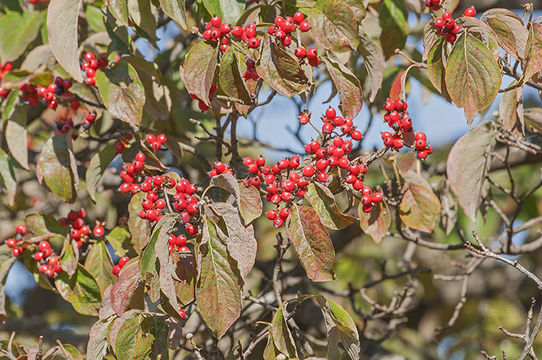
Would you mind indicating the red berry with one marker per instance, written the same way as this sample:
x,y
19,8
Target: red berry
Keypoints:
x,y
150,138
123,260
11,242
17,251
300,52
182,313
312,53
299,17
216,21
278,222
304,26
38,256
20,229
331,113
446,15
98,231
116,270
161,138
356,135
237,31
323,176
470,12
327,128
44,245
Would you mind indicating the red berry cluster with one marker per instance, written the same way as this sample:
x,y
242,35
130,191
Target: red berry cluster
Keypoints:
x,y
177,243
311,54
422,148
79,229
155,142
216,30
433,4
447,27
332,121
48,263
283,27
470,12
14,243
251,72
89,120
29,94
131,171
90,65
59,87
4,69
247,34
220,168
202,106
122,261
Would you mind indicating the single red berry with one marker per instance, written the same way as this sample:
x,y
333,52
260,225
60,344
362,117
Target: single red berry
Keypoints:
x,y
299,17
11,242
312,53
38,256
161,138
123,260
323,176
116,270
237,31
18,251
470,12
327,128
300,52
20,229
98,231
304,26
44,245
356,135
182,313
278,222
253,42
216,21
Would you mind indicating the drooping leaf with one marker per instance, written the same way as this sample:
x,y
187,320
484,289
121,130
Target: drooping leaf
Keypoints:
x,y
57,167
16,136
347,85
43,224
122,92
393,20
139,228
123,291
218,290
420,206
96,169
141,14
250,203
473,76
435,67
69,258
81,290
281,335
373,59
280,70
312,243
323,201
509,30
7,177
5,265
430,38
97,342
100,266
228,10
467,166
377,222
175,9
230,78
167,268
198,70
511,111
187,273
18,31
62,30
533,52
148,258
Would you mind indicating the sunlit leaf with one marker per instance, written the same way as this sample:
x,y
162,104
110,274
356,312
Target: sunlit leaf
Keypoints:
x,y
18,31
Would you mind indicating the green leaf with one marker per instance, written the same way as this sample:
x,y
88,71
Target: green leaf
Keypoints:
x,y
5,265
43,224
509,29
100,266
533,52
57,169
68,260
467,178
126,338
430,38
16,136
348,86
281,70
97,342
187,273
62,28
228,10
119,9
218,290
119,238
435,67
230,77
139,228
394,24
175,9
198,70
473,76
10,104
373,59
16,78
96,169
377,222
81,290
420,206
334,25
141,13
281,335
18,31
312,243
124,290
7,177
323,201
148,258
122,92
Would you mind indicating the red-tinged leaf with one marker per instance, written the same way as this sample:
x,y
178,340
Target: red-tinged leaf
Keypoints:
x,y
139,228
242,245
228,10
430,38
187,273
62,30
420,206
122,92
397,89
167,268
467,166
43,224
99,264
8,183
334,25
81,290
250,203
16,136
97,167
323,201
405,162
377,222
18,31
230,76
116,325
473,76
393,20
198,70
312,243
373,59
281,70
435,67
533,52
57,167
218,290
5,265
511,111
348,86
509,30
69,257
119,9
97,342
175,9
281,335
123,291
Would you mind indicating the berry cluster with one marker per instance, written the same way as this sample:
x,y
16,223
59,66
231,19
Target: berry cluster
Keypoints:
x,y
423,149
247,34
311,54
48,263
131,171
29,94
79,230
117,268
251,72
64,126
433,4
59,87
89,120
202,106
216,30
14,243
283,27
332,121
369,199
447,27
220,168
177,243
4,69
90,65
155,142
